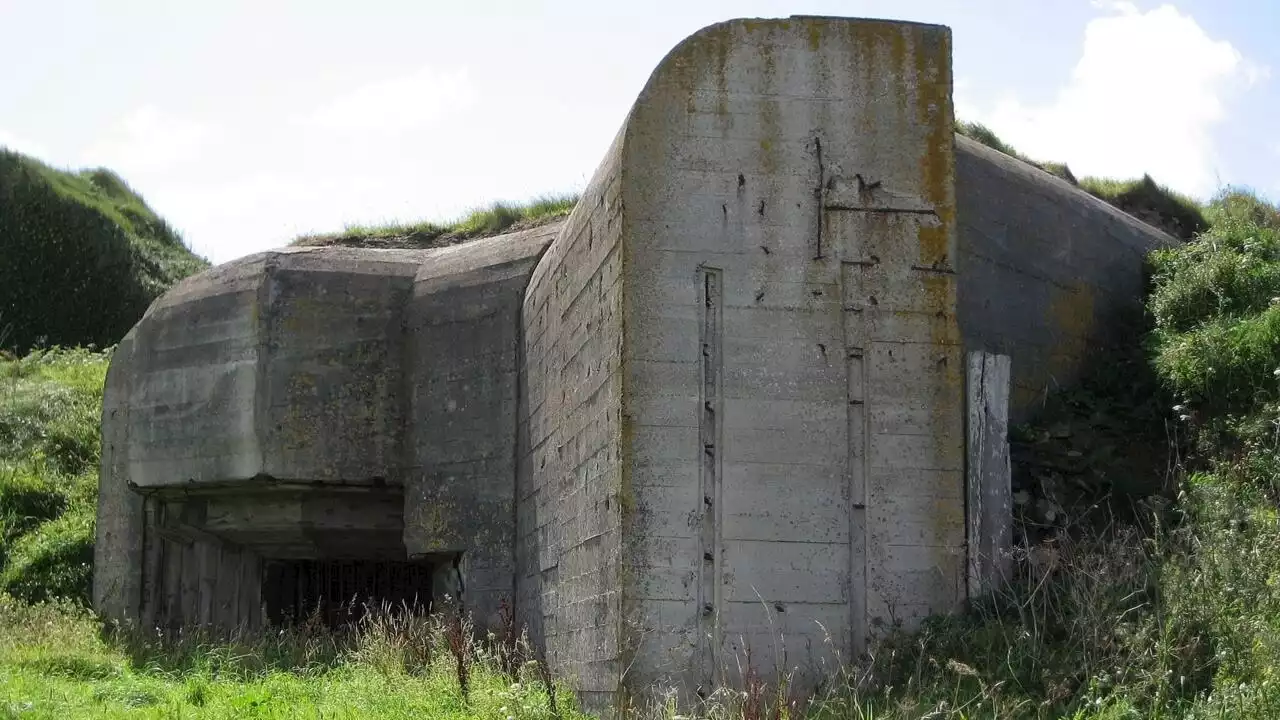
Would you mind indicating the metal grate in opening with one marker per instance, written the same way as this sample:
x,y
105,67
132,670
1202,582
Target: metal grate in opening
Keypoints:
x,y
341,589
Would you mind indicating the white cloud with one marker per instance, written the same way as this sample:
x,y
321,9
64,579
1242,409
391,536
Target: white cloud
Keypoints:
x,y
21,144
397,104
962,99
147,141
412,145
1145,96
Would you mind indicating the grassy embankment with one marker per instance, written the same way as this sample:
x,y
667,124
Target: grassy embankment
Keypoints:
x,y
83,255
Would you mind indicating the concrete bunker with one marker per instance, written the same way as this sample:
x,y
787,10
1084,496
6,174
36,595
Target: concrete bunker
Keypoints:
x,y
721,403
252,454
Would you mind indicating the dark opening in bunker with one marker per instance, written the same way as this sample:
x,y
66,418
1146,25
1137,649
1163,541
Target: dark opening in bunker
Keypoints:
x,y
281,556
342,591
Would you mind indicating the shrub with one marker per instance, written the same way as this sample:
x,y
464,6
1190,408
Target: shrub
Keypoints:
x,y
1216,306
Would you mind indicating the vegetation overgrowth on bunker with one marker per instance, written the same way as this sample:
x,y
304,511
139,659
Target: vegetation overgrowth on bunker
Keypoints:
x,y
1176,213
1145,199
494,219
83,255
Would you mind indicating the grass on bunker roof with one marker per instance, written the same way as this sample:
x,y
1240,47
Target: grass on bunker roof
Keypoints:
x,y
1176,213
495,219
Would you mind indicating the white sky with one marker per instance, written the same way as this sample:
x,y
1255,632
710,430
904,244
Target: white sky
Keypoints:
x,y
246,124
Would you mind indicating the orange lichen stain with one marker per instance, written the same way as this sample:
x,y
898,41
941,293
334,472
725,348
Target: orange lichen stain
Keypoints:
x,y
940,304
815,35
882,59
752,26
937,164
721,61
936,245
770,134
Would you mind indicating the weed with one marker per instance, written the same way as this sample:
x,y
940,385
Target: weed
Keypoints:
x,y
1177,214
495,219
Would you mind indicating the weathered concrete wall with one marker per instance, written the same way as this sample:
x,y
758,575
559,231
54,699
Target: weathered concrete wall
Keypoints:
x,y
283,367
744,381
283,364
794,375
331,373
117,560
1048,273
460,468
570,491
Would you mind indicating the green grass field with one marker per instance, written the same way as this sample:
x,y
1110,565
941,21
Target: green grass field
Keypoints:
x,y
55,664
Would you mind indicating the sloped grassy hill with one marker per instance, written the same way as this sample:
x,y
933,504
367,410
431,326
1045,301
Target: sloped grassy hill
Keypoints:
x,y
50,407
83,255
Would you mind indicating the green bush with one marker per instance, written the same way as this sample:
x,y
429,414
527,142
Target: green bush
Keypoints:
x,y
83,255
1216,306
